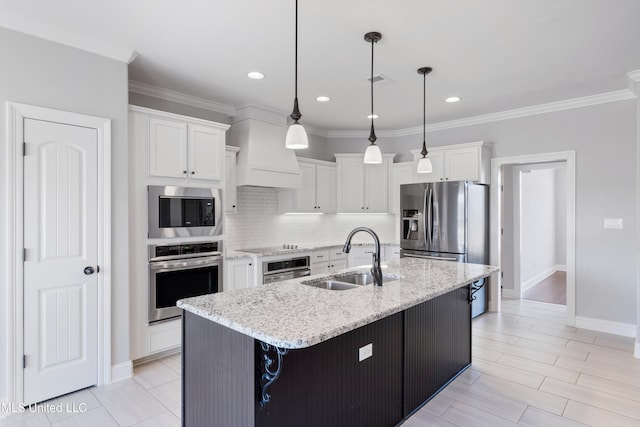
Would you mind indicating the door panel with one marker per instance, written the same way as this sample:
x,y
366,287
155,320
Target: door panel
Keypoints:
x,y
449,217
60,238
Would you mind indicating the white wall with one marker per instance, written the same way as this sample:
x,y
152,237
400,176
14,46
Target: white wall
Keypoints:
x,y
46,74
258,224
604,139
537,225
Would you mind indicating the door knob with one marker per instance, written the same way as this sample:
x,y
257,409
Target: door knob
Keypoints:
x,y
89,270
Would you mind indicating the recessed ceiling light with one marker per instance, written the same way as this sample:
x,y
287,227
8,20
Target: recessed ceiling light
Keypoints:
x,y
255,75
372,116
452,99
323,99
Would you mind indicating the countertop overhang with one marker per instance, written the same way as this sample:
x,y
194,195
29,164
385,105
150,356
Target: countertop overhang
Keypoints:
x,y
292,315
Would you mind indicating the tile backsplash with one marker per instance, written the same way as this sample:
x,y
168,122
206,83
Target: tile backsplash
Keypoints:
x,y
258,224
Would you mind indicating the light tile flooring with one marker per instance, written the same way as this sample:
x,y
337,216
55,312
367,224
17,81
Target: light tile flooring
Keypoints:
x,y
529,369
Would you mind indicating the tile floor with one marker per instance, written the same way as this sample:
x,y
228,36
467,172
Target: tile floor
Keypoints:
x,y
529,369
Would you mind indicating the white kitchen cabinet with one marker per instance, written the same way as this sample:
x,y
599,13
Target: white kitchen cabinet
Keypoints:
x,y
318,192
182,147
362,188
230,180
239,273
328,260
461,162
401,173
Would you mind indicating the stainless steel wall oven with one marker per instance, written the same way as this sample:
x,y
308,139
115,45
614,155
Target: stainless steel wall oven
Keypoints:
x,y
179,271
184,211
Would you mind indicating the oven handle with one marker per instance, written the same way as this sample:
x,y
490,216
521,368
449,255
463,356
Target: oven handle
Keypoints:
x,y
162,266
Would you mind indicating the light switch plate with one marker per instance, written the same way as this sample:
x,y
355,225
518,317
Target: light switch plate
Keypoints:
x,y
613,223
365,352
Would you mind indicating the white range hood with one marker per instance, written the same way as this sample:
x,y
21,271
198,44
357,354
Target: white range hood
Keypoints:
x,y
263,160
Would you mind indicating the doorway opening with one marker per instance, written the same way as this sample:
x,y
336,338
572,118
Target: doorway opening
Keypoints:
x,y
534,225
533,204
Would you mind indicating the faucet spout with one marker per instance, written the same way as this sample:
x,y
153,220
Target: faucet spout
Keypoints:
x,y
376,269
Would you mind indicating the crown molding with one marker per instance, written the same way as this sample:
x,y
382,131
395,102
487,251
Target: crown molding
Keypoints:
x,y
181,98
568,104
62,36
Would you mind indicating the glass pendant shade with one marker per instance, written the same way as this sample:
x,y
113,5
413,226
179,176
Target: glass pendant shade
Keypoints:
x,y
297,137
373,155
424,165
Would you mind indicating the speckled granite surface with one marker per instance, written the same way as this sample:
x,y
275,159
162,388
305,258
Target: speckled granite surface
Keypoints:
x,y
236,254
292,315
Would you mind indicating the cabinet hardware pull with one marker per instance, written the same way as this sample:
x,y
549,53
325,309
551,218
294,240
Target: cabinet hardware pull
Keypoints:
x,y
193,173
184,171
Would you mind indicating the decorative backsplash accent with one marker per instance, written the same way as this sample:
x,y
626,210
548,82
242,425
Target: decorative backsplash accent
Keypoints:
x,y
258,224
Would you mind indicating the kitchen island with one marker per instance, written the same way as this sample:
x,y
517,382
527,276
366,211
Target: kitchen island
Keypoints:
x,y
292,354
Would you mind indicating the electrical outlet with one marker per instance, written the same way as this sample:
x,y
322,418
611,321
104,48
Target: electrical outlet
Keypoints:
x,y
613,223
365,352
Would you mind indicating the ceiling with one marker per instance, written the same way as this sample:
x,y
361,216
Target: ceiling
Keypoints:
x,y
497,55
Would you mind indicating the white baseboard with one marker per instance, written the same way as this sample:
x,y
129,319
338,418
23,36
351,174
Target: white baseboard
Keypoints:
x,y
121,371
509,293
607,326
537,278
560,267
636,353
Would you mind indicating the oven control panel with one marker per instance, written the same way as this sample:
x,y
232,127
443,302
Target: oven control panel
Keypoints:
x,y
163,252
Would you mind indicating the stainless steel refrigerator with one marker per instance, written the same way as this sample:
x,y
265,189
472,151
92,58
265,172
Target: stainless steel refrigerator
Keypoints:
x,y
448,221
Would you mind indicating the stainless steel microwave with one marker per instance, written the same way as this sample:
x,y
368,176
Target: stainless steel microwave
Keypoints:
x,y
184,211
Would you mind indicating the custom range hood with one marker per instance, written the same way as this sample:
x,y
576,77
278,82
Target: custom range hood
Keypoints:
x,y
263,160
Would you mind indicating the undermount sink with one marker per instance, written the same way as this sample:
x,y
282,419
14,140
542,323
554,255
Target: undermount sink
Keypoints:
x,y
363,278
348,281
330,284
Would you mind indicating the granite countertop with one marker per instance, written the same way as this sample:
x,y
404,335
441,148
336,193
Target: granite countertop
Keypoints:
x,y
239,253
292,315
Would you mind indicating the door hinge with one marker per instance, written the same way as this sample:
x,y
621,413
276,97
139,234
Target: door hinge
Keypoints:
x,y
24,361
502,274
24,254
502,231
24,148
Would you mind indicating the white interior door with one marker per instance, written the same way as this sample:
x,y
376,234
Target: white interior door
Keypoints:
x,y
61,250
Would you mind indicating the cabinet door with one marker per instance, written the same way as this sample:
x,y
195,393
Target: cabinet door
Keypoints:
x,y
462,164
352,185
167,148
240,274
320,268
391,252
338,264
326,188
305,197
230,183
361,256
375,184
206,151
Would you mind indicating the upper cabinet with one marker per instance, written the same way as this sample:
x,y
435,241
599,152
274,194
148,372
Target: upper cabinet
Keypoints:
x,y
461,162
230,180
362,188
184,147
318,192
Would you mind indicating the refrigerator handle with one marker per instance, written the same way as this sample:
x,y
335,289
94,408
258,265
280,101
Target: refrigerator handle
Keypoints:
x,y
430,215
425,220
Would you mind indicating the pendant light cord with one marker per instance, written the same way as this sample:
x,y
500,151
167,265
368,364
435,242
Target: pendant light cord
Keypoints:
x,y
424,107
372,134
296,54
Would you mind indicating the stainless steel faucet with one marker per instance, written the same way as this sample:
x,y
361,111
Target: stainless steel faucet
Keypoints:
x,y
376,270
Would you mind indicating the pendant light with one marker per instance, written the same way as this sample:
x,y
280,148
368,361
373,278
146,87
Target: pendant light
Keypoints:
x,y
296,135
424,164
373,153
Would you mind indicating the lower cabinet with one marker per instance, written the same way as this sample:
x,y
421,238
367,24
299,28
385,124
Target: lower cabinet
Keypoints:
x,y
239,273
328,260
